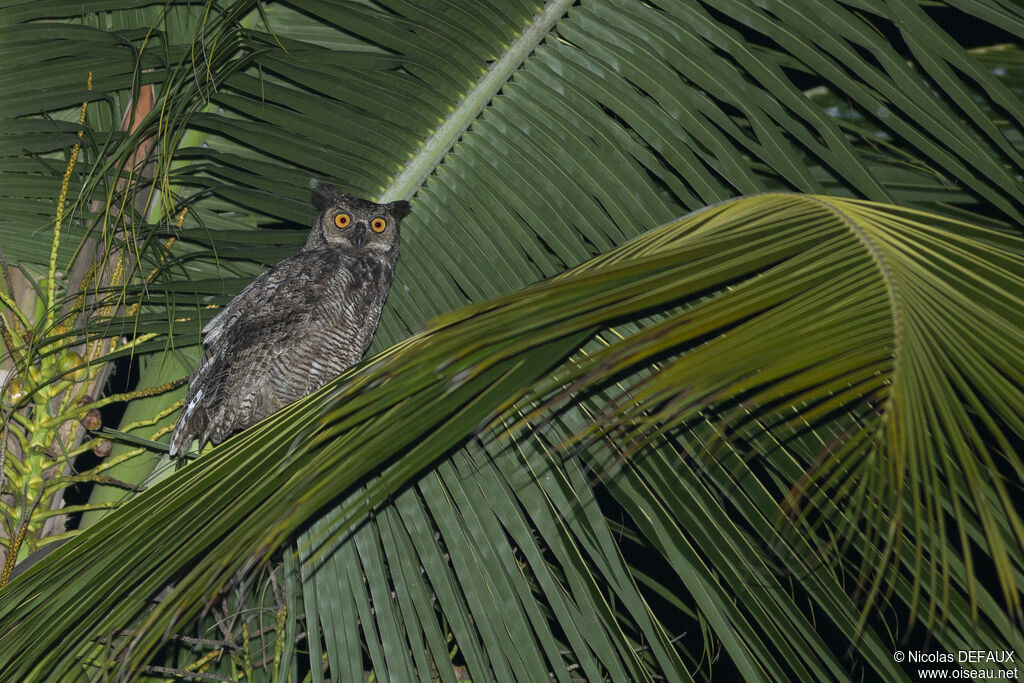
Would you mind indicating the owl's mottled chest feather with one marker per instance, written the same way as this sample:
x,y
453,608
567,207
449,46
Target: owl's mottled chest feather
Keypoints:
x,y
350,298
320,286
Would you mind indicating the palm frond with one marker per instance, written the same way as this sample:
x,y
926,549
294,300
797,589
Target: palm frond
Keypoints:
x,y
802,355
747,488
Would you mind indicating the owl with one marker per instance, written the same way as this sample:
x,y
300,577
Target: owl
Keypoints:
x,y
297,325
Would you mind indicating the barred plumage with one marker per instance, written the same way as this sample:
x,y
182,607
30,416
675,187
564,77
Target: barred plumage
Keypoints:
x,y
297,325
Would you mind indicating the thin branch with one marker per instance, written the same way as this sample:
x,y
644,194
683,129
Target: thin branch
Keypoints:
x,y
80,411
91,478
70,509
183,673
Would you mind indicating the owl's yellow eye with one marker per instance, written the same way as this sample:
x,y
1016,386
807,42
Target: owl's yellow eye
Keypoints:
x,y
378,224
342,220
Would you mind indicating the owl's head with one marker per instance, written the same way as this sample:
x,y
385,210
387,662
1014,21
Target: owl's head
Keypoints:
x,y
355,225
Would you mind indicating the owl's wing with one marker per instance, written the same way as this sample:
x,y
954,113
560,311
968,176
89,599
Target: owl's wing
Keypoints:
x,y
243,347
214,329
274,292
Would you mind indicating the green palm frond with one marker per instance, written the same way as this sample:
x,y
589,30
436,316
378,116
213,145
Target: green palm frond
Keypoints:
x,y
575,135
765,418
778,366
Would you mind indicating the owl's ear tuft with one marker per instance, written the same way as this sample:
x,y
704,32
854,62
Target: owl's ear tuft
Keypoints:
x,y
324,196
399,209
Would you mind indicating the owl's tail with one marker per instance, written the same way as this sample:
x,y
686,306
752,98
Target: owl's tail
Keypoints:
x,y
179,441
188,426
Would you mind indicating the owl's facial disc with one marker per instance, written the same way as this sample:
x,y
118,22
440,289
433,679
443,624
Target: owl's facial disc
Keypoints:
x,y
355,225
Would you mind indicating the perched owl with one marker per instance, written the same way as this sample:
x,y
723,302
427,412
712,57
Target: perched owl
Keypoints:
x,y
297,325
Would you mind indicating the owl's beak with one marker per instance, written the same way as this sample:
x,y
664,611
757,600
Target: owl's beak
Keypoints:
x,y
359,236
